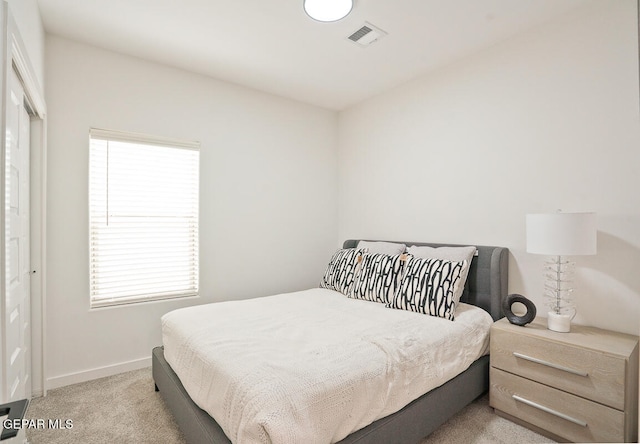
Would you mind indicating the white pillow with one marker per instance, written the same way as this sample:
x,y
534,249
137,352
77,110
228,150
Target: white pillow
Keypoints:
x,y
457,254
390,248
446,253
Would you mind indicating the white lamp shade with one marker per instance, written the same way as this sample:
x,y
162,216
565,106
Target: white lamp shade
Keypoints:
x,y
562,234
328,10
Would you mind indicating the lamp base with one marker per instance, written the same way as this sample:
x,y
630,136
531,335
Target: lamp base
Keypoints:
x,y
559,322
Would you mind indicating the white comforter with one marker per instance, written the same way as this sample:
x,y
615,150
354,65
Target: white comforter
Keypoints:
x,y
314,366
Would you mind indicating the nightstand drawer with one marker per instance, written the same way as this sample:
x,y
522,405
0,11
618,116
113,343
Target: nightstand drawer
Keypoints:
x,y
566,415
582,371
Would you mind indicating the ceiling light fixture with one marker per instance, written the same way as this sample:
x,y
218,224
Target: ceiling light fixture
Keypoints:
x,y
328,10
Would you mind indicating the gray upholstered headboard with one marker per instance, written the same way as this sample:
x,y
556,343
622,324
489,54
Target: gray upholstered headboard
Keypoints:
x,y
488,277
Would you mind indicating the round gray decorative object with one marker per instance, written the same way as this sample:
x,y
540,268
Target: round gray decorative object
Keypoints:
x,y
514,319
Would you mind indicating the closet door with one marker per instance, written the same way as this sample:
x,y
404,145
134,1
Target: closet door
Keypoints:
x,y
17,276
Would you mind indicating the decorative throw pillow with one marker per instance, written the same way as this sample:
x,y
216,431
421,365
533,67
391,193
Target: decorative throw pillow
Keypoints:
x,y
342,269
428,286
450,254
378,277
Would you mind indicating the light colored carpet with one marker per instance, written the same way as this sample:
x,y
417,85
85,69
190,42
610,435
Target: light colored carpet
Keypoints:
x,y
125,408
117,409
478,424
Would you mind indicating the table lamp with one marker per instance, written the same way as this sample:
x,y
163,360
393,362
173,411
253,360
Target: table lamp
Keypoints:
x,y
559,235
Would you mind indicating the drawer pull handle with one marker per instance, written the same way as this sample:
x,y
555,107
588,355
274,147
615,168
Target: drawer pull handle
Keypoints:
x,y
550,364
548,410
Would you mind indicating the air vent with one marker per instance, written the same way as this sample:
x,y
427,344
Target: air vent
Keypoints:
x,y
360,33
367,34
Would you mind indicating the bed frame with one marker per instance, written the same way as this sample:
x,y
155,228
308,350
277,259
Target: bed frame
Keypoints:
x,y
486,287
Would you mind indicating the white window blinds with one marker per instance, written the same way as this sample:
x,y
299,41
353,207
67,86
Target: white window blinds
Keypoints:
x,y
143,205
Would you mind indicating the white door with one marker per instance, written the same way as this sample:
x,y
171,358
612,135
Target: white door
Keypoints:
x,y
17,276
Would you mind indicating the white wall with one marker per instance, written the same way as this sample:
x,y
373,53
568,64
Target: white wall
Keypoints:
x,y
546,121
27,16
268,195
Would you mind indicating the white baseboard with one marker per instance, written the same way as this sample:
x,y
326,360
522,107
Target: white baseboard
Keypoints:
x,y
88,375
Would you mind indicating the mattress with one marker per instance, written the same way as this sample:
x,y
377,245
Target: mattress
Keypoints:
x,y
314,366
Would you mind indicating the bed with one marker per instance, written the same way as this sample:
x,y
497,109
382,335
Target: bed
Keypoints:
x,y
486,286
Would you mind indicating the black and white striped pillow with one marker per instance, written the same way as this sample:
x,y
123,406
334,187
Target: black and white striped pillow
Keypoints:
x,y
450,254
428,286
342,269
378,277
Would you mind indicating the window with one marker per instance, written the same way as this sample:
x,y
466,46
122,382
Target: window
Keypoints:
x,y
143,218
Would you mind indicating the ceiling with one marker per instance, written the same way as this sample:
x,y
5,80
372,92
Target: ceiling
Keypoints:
x,y
272,46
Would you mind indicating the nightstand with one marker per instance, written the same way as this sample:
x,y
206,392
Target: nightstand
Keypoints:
x,y
580,386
